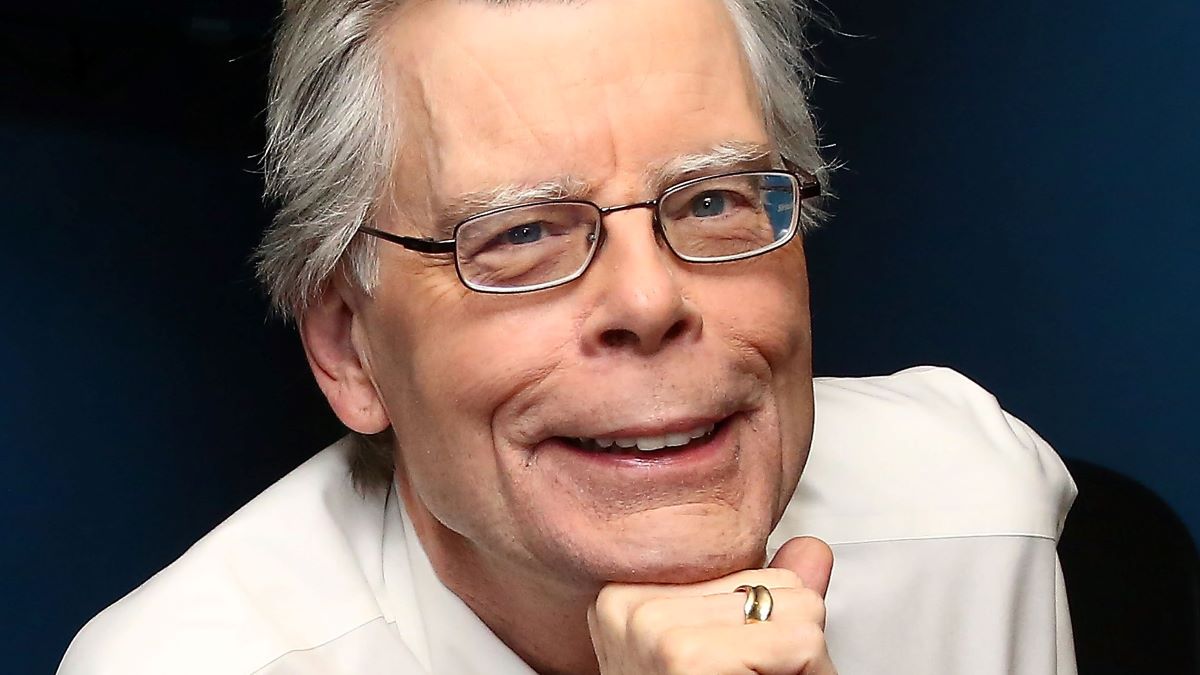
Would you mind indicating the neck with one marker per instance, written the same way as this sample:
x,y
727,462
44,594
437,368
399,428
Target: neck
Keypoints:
x,y
544,623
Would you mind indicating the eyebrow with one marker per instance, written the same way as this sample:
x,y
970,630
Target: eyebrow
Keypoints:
x,y
722,157
469,204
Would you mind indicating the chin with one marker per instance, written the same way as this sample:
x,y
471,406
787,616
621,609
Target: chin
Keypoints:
x,y
675,557
683,567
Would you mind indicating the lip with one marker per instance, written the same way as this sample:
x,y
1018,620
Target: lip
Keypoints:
x,y
677,426
626,407
715,450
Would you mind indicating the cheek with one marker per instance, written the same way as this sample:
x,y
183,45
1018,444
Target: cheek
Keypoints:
x,y
449,367
477,361
765,311
453,361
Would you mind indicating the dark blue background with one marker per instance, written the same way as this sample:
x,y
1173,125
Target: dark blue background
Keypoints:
x,y
1018,202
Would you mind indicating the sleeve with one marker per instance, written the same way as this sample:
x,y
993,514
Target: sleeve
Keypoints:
x,y
1063,633
944,513
1067,490
295,569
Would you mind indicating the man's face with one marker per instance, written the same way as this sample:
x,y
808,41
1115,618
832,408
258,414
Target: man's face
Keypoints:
x,y
488,395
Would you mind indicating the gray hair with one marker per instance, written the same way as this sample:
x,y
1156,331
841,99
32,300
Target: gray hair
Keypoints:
x,y
330,141
331,136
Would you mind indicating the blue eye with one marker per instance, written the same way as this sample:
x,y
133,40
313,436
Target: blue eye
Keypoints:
x,y
523,234
708,204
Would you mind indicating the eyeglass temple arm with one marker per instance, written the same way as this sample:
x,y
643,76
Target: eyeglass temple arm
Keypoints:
x,y
412,243
810,186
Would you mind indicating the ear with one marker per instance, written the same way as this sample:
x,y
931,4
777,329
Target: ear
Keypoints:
x,y
330,330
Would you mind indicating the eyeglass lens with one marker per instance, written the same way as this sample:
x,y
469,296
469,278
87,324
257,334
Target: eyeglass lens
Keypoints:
x,y
709,220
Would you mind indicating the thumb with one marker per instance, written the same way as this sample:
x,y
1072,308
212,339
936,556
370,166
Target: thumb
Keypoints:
x,y
810,558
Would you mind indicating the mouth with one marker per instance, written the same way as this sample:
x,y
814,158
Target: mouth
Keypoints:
x,y
648,444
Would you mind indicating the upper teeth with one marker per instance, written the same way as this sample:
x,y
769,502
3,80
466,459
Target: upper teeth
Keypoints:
x,y
648,443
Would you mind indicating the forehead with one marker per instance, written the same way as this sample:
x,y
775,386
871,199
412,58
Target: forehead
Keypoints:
x,y
593,90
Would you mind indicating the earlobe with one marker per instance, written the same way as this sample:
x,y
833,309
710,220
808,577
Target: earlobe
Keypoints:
x,y
341,368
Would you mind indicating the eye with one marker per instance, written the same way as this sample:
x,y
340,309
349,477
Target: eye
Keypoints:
x,y
523,234
707,205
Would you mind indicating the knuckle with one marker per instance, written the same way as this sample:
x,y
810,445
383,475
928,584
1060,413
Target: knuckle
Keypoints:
x,y
810,638
646,618
607,596
678,652
811,604
807,603
611,605
819,610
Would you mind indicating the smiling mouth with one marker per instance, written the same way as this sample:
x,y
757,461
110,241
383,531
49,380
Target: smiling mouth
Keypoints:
x,y
643,445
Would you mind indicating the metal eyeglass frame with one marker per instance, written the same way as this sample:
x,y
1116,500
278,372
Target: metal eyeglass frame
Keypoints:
x,y
807,186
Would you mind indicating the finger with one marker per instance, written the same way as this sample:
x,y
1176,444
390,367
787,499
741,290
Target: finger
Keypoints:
x,y
791,606
621,597
810,559
763,648
617,602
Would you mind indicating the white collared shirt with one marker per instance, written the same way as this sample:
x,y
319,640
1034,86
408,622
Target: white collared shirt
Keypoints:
x,y
943,512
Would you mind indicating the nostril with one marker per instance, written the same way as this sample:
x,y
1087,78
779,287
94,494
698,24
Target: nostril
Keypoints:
x,y
618,337
675,330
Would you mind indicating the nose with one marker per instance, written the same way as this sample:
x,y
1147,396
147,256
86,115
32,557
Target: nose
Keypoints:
x,y
640,306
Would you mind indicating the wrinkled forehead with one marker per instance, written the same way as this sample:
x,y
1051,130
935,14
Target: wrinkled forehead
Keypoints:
x,y
524,92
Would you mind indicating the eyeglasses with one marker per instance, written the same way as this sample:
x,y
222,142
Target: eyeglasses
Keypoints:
x,y
530,247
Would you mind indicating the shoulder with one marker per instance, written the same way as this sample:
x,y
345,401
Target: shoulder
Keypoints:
x,y
290,570
925,452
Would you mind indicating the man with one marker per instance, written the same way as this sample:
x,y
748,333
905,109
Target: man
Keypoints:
x,y
543,260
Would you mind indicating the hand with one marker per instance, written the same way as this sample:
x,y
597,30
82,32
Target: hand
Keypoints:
x,y
699,629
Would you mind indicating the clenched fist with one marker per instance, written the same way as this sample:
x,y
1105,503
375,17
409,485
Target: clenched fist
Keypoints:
x,y
700,629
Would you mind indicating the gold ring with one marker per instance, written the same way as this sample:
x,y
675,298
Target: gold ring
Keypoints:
x,y
758,603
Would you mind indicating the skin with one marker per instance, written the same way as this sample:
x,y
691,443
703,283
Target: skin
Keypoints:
x,y
528,531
